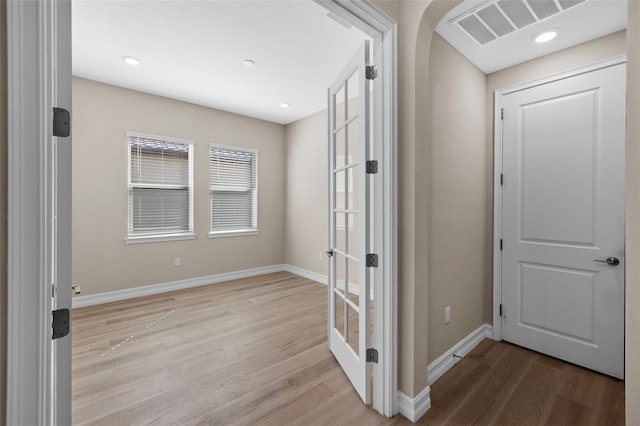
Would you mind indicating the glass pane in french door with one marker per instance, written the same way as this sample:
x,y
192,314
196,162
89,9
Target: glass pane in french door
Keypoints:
x,y
340,299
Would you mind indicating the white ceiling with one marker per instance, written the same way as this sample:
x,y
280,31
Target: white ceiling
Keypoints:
x,y
193,51
577,24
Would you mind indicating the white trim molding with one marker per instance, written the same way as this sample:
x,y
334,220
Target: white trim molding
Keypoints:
x,y
324,279
437,368
313,276
31,46
242,233
147,290
414,408
141,239
151,289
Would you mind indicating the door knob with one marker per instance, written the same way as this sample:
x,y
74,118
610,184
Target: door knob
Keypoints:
x,y
612,261
329,252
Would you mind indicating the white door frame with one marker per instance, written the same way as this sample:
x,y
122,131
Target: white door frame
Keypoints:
x,y
375,23
31,46
497,172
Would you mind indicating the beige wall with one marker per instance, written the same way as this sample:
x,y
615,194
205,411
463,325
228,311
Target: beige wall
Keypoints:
x,y
459,240
3,208
632,329
306,210
101,260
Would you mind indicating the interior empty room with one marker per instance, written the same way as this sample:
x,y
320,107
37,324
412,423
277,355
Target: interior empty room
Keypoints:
x,y
322,212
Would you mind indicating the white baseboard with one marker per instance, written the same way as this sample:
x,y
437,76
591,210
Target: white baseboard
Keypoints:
x,y
313,276
322,279
147,290
441,365
414,408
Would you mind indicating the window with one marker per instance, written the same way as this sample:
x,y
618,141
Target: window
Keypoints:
x,y
233,191
160,188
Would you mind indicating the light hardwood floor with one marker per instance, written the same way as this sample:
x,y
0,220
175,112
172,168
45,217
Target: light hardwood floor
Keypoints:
x,y
254,351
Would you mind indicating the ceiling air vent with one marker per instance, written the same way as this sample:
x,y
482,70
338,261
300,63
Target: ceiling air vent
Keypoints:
x,y
498,18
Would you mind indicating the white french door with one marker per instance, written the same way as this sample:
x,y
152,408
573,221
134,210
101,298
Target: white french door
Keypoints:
x,y
349,218
563,219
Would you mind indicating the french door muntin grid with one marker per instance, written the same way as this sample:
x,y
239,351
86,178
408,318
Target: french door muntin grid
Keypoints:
x,y
348,177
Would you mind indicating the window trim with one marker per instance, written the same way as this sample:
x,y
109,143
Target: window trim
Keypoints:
x,y
235,232
148,238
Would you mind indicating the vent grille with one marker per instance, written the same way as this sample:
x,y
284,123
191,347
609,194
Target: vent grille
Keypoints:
x,y
500,17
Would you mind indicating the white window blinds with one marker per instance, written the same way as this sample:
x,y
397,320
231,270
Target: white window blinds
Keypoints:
x,y
233,189
160,186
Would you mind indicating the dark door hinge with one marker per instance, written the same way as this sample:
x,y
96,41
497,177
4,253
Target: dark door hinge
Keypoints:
x,y
501,309
372,355
372,167
61,122
501,179
372,260
371,72
500,243
501,113
60,323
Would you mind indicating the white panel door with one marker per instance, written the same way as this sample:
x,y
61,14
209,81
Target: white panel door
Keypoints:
x,y
563,216
349,221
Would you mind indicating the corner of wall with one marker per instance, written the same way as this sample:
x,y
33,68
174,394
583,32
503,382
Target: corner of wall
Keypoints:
x,y
632,335
306,192
3,208
458,160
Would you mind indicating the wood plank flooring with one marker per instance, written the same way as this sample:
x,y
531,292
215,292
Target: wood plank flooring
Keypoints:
x,y
254,351
502,384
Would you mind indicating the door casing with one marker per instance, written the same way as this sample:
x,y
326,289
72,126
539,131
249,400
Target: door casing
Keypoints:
x,y
31,33
497,171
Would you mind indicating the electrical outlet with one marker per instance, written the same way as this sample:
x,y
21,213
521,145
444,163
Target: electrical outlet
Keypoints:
x,y
447,315
321,256
177,262
76,289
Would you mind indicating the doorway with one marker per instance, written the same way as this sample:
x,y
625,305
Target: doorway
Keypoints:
x,y
561,171
378,25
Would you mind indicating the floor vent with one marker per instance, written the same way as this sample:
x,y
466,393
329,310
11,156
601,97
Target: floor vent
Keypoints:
x,y
500,17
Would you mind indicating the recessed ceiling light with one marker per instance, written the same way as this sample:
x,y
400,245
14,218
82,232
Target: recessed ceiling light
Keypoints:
x,y
131,60
545,36
284,105
248,63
